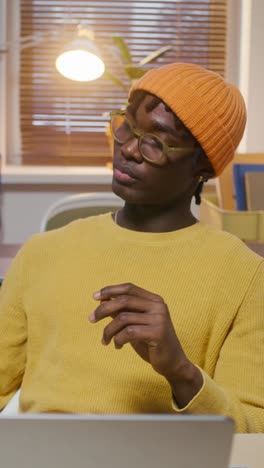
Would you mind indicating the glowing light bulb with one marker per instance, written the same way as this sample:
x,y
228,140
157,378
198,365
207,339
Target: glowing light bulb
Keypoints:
x,y
80,65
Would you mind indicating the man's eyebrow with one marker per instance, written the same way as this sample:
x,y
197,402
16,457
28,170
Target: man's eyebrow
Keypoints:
x,y
156,126
163,128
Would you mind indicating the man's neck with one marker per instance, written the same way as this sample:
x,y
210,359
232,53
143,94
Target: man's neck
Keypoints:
x,y
150,218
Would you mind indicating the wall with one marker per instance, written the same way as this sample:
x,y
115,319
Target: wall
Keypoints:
x,y
26,196
254,70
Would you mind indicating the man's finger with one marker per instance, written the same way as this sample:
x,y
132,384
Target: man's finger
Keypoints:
x,y
123,320
139,333
109,292
125,303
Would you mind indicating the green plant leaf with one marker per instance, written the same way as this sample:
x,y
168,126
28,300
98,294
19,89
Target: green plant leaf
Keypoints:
x,y
125,54
108,75
134,72
158,53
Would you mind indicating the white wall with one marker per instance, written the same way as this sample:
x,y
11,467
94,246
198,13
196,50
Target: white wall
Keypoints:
x,y
26,195
2,78
245,66
22,212
254,71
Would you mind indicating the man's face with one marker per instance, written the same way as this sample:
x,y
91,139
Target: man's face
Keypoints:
x,y
138,181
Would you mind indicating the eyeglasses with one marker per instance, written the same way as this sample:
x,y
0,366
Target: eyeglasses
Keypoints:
x,y
151,147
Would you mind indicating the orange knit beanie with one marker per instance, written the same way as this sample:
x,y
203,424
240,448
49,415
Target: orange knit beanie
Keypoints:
x,y
212,109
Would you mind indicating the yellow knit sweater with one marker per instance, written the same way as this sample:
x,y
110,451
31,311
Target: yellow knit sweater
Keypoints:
x,y
212,283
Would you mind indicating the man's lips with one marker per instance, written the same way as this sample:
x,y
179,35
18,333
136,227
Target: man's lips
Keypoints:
x,y
124,174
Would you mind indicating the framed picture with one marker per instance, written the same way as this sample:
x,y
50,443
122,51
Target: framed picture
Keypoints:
x,y
239,171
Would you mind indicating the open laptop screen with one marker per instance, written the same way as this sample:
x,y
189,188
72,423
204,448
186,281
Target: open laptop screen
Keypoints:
x,y
125,441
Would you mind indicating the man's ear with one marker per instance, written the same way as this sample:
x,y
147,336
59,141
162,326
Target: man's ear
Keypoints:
x,y
204,167
207,174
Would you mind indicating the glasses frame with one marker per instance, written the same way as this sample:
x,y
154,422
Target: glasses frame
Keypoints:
x,y
164,159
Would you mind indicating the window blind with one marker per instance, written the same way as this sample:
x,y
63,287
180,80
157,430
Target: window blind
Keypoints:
x,y
63,122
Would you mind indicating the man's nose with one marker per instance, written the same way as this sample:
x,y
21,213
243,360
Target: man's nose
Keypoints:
x,y
130,150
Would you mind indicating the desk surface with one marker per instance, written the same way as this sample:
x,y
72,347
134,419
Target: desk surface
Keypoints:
x,y
248,451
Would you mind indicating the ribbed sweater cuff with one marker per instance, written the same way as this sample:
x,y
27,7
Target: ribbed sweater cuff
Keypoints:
x,y
210,399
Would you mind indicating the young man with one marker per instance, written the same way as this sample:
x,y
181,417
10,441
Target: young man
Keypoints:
x,y
176,309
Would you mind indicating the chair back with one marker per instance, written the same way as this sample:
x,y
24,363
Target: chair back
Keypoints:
x,y
77,206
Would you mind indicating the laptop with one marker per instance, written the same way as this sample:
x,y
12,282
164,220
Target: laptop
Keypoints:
x,y
120,441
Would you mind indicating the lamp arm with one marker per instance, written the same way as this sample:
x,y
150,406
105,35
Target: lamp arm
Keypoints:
x,y
32,40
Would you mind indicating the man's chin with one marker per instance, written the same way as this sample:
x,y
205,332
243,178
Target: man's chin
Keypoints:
x,y
126,192
133,197
120,190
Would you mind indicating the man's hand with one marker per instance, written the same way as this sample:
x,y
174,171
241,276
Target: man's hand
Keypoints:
x,y
142,319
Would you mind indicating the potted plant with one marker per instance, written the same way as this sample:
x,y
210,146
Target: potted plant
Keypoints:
x,y
132,71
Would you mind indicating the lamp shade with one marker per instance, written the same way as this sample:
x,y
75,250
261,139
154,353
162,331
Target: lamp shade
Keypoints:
x,y
80,61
